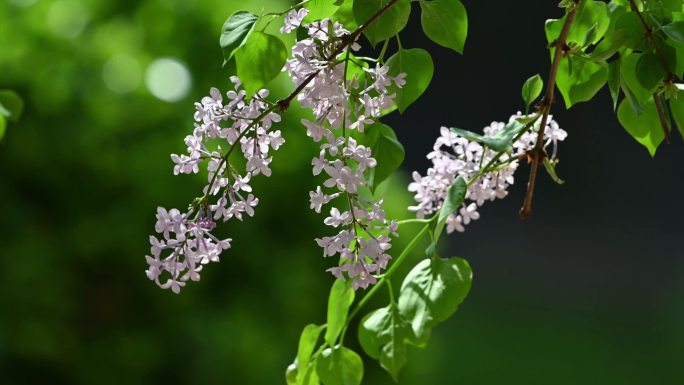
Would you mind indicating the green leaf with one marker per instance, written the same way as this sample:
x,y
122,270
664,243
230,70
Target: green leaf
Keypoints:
x,y
260,60
677,108
631,26
235,32
307,344
432,291
675,31
628,75
454,199
580,79
445,22
531,90
645,128
501,141
607,47
3,126
388,25
11,105
345,15
320,9
291,374
339,366
678,53
650,71
341,298
591,15
418,66
550,166
383,335
386,150
614,81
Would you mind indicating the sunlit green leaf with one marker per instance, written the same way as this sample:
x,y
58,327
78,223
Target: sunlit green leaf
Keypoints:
x,y
677,108
260,60
591,15
388,25
674,31
614,81
445,22
11,105
235,31
633,30
628,74
417,64
531,90
645,128
3,126
307,344
454,199
432,291
649,71
291,374
501,141
383,335
339,366
345,15
580,79
386,149
320,9
550,166
341,298
678,49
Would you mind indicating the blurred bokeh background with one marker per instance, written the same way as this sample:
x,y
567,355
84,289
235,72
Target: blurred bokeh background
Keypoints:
x,y
589,291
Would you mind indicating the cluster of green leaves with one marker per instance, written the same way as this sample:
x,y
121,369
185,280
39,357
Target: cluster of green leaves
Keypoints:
x,y
637,49
429,294
11,107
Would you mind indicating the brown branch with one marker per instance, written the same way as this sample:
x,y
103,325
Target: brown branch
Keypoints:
x,y
663,119
538,151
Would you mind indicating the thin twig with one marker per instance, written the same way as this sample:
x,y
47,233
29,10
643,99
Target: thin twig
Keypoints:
x,y
538,151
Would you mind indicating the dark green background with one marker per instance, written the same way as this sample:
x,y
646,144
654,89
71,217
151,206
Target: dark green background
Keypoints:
x,y
589,291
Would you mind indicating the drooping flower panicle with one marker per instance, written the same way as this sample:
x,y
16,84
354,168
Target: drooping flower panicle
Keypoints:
x,y
453,156
340,102
187,242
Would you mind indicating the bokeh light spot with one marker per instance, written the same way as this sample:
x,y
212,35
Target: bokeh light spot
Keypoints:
x,y
168,79
67,18
122,73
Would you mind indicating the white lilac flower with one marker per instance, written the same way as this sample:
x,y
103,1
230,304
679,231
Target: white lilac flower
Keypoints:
x,y
188,245
455,156
293,19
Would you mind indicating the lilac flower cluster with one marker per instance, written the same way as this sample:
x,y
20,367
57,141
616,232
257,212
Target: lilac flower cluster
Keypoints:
x,y
454,156
187,241
340,102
